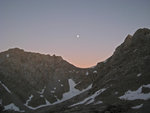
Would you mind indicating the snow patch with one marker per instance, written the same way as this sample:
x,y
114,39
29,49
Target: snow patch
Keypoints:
x,y
62,85
13,107
138,75
137,107
54,88
90,99
98,102
52,91
7,55
116,93
134,95
147,86
87,73
42,91
5,87
58,80
41,95
95,71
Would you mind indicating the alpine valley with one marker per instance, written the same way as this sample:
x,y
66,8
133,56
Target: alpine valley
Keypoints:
x,y
37,83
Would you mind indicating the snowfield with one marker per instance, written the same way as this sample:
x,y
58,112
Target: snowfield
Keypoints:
x,y
72,92
134,95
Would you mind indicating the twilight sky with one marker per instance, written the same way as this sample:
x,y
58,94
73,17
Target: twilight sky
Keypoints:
x,y
51,26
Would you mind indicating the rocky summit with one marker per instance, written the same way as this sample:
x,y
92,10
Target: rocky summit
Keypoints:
x,y
37,83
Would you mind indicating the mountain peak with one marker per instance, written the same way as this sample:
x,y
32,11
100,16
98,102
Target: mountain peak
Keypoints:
x,y
142,32
127,40
141,37
21,51
16,50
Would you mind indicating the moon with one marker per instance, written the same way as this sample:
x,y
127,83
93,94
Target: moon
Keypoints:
x,y
78,36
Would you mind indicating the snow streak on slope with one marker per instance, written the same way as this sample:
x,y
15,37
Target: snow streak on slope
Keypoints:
x,y
137,107
40,106
98,102
134,95
5,87
91,98
138,75
27,102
